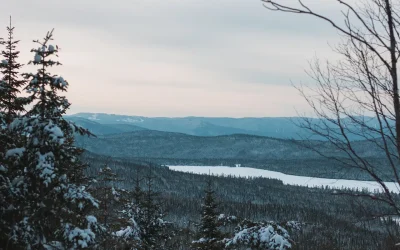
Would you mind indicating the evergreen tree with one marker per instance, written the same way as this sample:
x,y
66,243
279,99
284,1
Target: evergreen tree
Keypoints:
x,y
10,107
261,235
106,193
210,236
54,205
111,200
146,225
137,191
10,103
153,222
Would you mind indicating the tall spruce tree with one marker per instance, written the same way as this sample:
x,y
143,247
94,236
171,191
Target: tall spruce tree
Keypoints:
x,y
209,233
146,225
152,223
11,106
54,205
10,84
106,193
137,193
111,200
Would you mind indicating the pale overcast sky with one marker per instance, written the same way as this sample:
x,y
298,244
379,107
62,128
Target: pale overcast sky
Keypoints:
x,y
177,57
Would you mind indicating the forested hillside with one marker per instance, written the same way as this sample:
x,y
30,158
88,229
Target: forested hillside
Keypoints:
x,y
287,156
328,218
277,127
157,144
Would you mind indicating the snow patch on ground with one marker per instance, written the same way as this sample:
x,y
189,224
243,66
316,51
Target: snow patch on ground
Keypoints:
x,y
131,120
93,117
371,186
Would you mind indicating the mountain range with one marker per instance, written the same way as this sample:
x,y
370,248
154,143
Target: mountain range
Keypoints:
x,y
121,136
277,127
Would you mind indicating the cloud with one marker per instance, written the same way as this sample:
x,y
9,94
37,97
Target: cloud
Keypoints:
x,y
177,58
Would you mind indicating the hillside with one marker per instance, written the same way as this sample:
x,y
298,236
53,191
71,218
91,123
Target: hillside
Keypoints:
x,y
158,144
103,129
255,198
276,127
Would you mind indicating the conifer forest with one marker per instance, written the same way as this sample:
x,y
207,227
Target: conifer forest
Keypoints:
x,y
72,177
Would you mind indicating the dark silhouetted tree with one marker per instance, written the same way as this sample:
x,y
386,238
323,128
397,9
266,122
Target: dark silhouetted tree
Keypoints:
x,y
209,233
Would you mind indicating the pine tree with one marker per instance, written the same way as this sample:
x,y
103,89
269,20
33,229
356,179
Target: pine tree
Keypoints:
x,y
106,193
111,200
146,224
152,224
11,107
210,236
10,103
264,235
137,191
55,204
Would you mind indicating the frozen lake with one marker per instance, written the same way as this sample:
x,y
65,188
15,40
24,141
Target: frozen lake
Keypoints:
x,y
285,178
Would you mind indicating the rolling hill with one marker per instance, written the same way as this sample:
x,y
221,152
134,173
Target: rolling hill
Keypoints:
x,y
159,144
276,127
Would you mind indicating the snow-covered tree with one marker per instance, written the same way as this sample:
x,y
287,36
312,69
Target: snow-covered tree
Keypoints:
x,y
146,225
130,235
209,233
10,107
107,193
153,223
53,203
260,235
111,199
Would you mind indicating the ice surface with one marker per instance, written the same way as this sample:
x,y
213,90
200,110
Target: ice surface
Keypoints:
x,y
287,179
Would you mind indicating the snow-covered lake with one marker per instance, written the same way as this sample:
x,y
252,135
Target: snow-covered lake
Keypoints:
x,y
285,178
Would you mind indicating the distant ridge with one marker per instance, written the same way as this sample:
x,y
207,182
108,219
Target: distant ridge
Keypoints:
x,y
172,145
279,127
276,127
103,129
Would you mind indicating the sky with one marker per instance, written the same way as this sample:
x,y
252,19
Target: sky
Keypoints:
x,y
178,57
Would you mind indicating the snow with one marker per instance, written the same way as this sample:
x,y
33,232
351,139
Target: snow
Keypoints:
x,y
55,132
51,48
84,236
54,245
3,169
75,193
37,58
130,232
46,167
91,219
4,62
131,120
59,81
287,179
93,117
264,235
15,152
